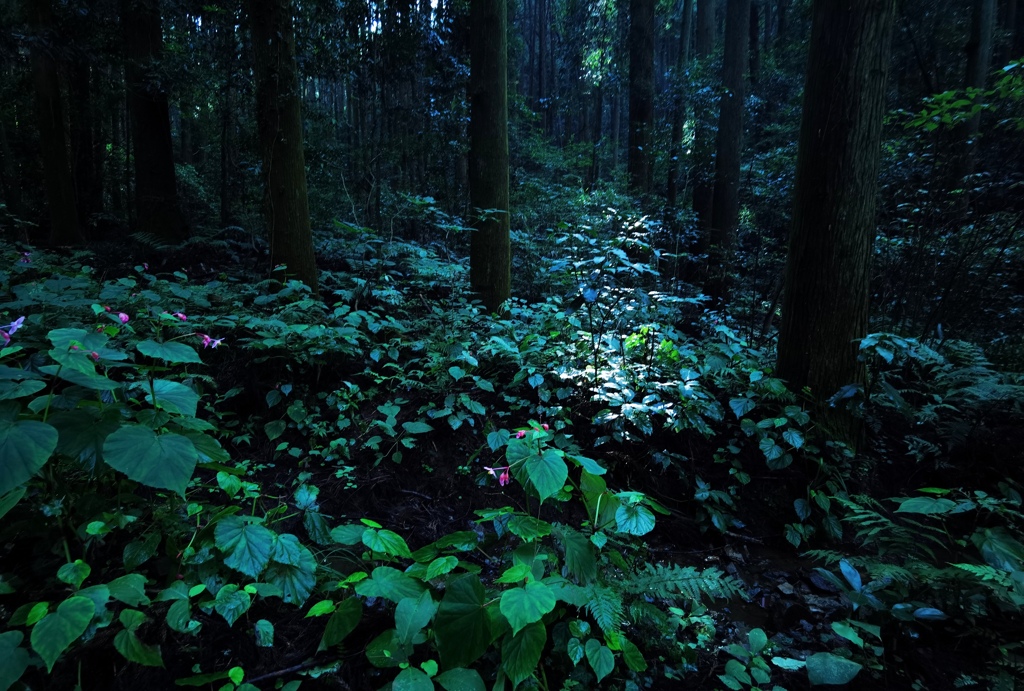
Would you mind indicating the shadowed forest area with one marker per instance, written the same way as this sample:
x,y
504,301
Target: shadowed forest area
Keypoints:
x,y
511,344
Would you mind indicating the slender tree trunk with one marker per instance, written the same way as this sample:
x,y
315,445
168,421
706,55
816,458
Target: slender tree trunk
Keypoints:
x,y
726,199
87,184
641,94
49,116
279,118
10,175
156,196
755,38
825,307
679,105
782,33
979,59
490,247
703,167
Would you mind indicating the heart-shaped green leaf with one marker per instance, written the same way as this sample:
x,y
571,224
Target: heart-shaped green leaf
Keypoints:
x,y
526,605
13,658
166,461
521,653
58,630
546,471
462,627
248,545
25,446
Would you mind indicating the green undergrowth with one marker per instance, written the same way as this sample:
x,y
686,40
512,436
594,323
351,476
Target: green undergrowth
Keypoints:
x,y
178,449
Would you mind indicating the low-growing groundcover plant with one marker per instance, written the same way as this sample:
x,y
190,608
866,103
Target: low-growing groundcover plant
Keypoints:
x,y
220,483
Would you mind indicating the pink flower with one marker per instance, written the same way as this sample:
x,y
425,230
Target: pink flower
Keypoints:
x,y
123,317
5,336
545,426
504,478
106,308
206,340
74,347
520,434
95,356
25,257
181,316
145,266
216,342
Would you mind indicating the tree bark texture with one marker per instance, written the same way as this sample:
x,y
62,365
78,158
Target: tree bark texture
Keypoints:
x,y
725,211
490,252
979,60
60,183
641,94
703,166
279,120
825,306
679,105
156,195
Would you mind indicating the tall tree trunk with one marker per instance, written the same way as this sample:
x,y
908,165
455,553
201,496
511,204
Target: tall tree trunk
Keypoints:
x,y
156,195
87,184
641,94
279,119
725,212
825,308
979,59
703,168
755,41
490,252
49,116
782,33
678,105
10,178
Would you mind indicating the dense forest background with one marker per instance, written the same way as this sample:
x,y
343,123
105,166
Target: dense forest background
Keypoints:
x,y
719,302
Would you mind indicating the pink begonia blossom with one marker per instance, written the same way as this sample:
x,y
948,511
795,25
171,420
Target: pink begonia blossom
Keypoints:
x,y
95,356
181,316
545,426
209,342
106,308
504,478
145,266
25,257
123,317
5,336
520,434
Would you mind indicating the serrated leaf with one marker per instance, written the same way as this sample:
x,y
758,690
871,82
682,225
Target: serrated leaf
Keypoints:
x,y
528,528
350,534
521,652
794,438
579,554
770,449
170,351
231,603
247,545
297,577
526,605
546,472
741,406
166,461
58,630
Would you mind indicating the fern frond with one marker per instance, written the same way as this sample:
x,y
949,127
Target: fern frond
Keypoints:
x,y
605,606
669,582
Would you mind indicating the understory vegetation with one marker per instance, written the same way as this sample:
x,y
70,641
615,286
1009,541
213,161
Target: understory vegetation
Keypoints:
x,y
218,481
